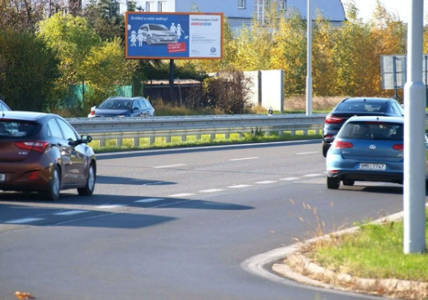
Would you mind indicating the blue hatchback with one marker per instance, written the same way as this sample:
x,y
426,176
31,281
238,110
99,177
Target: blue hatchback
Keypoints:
x,y
366,149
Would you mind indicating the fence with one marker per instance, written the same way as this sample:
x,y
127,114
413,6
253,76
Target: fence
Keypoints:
x,y
103,129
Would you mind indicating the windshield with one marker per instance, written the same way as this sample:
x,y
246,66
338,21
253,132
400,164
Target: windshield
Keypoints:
x,y
116,104
16,129
158,27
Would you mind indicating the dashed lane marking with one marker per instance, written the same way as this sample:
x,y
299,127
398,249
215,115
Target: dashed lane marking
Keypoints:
x,y
211,191
70,213
181,195
243,158
312,175
239,186
148,200
23,221
304,153
289,178
109,206
169,166
266,182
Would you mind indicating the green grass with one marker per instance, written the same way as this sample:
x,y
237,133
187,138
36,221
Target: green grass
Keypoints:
x,y
191,141
375,251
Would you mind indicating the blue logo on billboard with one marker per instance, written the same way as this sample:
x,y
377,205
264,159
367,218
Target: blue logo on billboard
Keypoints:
x,y
213,49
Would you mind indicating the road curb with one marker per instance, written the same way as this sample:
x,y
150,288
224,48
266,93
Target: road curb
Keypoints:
x,y
270,265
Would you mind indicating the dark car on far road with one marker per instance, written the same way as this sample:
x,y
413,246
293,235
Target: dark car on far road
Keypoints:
x,y
356,107
123,107
43,153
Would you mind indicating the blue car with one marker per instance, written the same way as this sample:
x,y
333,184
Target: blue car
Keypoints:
x,y
366,149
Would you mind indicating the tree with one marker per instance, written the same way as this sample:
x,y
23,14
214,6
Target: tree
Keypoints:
x,y
28,70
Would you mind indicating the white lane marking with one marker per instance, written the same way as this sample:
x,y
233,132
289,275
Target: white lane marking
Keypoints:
x,y
266,182
239,186
169,166
108,206
148,200
180,195
244,158
303,153
211,191
312,175
25,220
290,178
71,212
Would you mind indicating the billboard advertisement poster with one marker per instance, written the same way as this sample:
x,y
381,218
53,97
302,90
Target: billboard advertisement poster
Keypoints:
x,y
173,35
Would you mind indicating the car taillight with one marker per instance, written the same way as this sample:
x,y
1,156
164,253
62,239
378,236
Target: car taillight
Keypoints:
x,y
333,120
38,146
92,112
341,145
398,147
33,175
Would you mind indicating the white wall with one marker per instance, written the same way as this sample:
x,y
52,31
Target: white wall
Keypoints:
x,y
272,89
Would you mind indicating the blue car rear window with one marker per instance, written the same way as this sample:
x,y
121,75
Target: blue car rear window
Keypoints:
x,y
373,130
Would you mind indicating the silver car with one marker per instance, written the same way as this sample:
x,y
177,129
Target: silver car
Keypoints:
x,y
157,34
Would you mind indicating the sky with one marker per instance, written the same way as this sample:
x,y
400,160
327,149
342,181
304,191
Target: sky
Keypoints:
x,y
400,7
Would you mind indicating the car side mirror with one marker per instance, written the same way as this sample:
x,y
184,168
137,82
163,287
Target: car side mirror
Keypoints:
x,y
135,108
86,139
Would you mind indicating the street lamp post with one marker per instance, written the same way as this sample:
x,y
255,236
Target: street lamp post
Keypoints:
x,y
309,60
414,140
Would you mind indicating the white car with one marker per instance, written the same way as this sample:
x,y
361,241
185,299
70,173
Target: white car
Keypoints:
x,y
157,34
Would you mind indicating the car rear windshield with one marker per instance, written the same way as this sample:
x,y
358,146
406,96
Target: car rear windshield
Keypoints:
x,y
116,104
372,130
17,129
361,107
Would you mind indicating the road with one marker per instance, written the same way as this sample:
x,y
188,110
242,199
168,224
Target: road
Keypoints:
x,y
178,223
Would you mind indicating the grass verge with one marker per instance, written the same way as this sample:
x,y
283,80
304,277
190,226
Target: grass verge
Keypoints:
x,y
160,143
375,251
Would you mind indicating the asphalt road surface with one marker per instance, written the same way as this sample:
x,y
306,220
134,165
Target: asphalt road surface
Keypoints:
x,y
177,224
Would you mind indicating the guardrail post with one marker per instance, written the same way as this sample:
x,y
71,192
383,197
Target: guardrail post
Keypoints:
x,y
212,136
168,139
280,132
102,143
152,140
267,133
183,138
227,136
136,141
119,142
198,137
240,135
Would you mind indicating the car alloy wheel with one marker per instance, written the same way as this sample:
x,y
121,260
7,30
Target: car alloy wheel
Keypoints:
x,y
90,183
53,192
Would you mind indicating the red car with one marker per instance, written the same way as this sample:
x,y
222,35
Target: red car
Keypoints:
x,y
44,153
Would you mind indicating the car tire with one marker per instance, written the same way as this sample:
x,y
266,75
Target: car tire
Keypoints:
x,y
333,183
53,192
324,149
88,190
348,182
149,40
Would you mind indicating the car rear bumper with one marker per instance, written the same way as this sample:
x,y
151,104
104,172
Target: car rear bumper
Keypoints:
x,y
18,177
395,177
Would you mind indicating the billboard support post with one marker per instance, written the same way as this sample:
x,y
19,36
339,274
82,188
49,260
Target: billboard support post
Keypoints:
x,y
171,79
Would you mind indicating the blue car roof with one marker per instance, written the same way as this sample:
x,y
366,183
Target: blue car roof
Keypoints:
x,y
375,119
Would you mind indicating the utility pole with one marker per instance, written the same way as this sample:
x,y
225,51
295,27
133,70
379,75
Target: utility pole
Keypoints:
x,y
309,60
414,136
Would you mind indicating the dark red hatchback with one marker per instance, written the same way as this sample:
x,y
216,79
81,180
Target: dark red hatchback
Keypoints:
x,y
44,153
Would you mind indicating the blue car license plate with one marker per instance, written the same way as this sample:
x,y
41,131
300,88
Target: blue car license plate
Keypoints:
x,y
372,167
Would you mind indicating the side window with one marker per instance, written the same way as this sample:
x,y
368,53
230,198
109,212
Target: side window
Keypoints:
x,y
136,104
54,129
147,103
68,132
142,104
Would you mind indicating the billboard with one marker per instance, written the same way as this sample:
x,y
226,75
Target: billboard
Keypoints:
x,y
173,35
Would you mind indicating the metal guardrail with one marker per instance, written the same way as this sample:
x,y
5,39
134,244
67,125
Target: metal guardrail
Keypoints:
x,y
120,128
